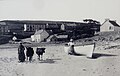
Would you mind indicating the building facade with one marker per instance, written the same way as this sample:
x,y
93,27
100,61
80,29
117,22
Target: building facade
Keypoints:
x,y
28,28
109,25
40,36
11,27
3,29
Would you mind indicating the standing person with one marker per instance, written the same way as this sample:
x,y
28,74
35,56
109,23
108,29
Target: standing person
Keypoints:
x,y
21,54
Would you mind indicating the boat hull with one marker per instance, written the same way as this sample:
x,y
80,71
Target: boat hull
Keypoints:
x,y
82,49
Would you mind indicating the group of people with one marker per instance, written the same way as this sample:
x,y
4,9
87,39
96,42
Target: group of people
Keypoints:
x,y
39,51
29,53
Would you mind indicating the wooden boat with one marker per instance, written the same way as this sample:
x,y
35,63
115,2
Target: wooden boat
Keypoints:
x,y
86,49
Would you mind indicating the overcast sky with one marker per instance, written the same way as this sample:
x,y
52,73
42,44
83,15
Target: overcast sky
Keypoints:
x,y
70,10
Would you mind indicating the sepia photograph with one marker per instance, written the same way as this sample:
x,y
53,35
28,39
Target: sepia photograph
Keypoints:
x,y
59,37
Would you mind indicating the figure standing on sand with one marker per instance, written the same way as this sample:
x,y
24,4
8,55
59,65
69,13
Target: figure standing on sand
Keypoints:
x,y
21,54
71,47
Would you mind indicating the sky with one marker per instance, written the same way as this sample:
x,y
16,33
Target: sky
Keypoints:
x,y
68,10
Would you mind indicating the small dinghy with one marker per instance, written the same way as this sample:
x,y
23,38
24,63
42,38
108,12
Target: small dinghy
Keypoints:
x,y
86,49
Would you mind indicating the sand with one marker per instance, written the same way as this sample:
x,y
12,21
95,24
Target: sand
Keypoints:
x,y
56,62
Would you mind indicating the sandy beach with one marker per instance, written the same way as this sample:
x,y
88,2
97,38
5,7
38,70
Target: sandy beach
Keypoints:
x,y
57,63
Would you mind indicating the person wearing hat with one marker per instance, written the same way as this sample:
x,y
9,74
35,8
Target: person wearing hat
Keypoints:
x,y
21,54
71,42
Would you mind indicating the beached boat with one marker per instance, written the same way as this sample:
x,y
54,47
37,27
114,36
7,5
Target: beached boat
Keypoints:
x,y
86,49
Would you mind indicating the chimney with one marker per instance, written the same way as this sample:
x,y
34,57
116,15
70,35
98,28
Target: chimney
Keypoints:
x,y
107,19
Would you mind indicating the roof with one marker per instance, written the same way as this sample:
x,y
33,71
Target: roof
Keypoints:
x,y
52,36
73,24
2,23
114,23
39,32
38,21
62,36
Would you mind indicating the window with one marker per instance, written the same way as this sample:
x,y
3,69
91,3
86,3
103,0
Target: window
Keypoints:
x,y
110,28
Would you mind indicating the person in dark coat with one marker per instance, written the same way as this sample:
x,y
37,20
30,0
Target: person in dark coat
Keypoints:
x,y
29,53
21,54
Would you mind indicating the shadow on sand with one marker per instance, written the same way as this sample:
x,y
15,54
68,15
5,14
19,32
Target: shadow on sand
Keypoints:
x,y
79,54
98,55
50,61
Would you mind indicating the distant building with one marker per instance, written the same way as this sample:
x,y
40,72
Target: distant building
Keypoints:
x,y
52,38
32,27
4,29
14,38
40,36
55,37
109,25
62,37
26,28
68,26
11,27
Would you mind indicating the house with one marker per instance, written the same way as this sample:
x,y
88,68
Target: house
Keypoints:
x,y
26,28
13,26
57,37
32,26
62,37
39,36
4,29
109,25
52,38
14,38
68,26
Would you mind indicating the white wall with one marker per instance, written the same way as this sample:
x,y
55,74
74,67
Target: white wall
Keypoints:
x,y
40,37
106,27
